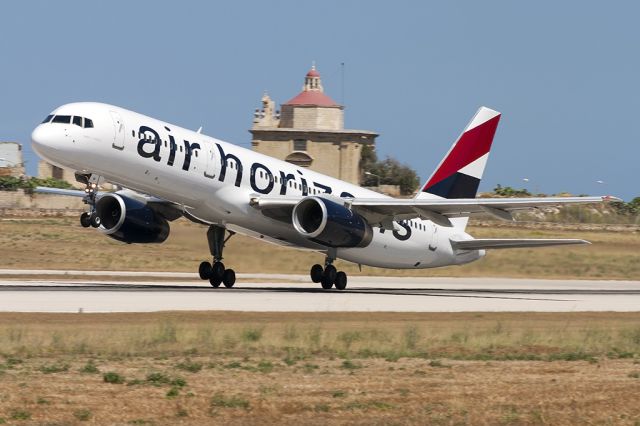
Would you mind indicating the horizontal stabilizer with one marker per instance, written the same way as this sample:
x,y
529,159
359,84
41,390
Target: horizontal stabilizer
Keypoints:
x,y
503,243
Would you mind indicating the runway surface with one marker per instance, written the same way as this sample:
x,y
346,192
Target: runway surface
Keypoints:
x,y
181,291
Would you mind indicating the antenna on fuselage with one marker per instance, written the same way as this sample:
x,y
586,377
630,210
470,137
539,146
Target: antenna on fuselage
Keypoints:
x,y
199,130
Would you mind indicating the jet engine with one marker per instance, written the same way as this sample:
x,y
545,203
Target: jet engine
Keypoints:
x,y
330,223
130,220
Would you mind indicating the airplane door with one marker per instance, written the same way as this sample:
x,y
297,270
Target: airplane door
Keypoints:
x,y
118,131
210,170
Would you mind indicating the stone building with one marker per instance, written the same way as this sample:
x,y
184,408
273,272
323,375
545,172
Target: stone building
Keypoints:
x,y
309,132
11,163
48,170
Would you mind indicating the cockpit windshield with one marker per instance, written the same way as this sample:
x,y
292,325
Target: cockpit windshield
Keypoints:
x,y
84,122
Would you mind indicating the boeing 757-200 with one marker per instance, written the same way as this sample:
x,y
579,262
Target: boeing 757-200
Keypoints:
x,y
169,172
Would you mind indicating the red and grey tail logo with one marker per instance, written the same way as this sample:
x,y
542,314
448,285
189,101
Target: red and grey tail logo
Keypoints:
x,y
459,174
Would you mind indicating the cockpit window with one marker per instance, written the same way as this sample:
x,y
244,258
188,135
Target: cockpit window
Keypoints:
x,y
61,119
67,119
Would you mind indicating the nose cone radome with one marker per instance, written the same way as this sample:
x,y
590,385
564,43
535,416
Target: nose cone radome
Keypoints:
x,y
43,140
39,136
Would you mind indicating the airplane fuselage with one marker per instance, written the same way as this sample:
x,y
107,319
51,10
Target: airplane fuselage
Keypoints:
x,y
215,182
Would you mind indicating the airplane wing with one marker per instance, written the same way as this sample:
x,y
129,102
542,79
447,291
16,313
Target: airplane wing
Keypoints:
x,y
384,210
167,209
59,191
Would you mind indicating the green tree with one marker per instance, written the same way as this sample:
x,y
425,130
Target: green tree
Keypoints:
x,y
10,183
507,191
391,172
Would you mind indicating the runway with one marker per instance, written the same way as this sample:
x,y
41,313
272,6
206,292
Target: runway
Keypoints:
x,y
295,293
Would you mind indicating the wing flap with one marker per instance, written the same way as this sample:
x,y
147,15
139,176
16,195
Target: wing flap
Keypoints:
x,y
504,243
501,208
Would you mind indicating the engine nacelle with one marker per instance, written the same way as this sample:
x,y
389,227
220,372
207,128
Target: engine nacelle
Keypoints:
x,y
129,220
330,223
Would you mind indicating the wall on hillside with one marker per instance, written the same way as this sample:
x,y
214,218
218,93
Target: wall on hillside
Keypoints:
x,y
20,200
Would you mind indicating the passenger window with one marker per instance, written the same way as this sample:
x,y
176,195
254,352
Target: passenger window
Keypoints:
x,y
88,123
77,120
196,154
133,133
48,119
62,119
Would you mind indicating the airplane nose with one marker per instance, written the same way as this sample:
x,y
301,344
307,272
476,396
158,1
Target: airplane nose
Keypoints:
x,y
40,136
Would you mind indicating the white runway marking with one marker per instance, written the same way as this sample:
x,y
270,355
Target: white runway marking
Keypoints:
x,y
297,293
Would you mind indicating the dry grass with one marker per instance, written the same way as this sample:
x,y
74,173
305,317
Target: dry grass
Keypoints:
x,y
485,336
267,368
60,243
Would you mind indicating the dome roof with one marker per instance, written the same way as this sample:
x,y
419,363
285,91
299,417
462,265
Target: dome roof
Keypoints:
x,y
310,97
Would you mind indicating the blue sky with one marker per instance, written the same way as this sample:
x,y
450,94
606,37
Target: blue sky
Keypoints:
x,y
565,75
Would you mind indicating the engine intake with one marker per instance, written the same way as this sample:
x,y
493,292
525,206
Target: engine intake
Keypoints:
x,y
129,220
330,223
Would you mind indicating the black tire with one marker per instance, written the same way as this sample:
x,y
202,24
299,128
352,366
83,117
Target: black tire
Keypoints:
x,y
229,278
341,280
85,220
95,221
215,282
204,270
217,270
316,273
326,284
330,273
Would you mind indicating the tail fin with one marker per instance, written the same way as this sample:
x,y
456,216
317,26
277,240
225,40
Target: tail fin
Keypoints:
x,y
459,173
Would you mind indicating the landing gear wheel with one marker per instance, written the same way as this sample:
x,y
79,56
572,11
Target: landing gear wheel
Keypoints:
x,y
316,273
229,278
330,272
95,220
85,220
204,270
341,280
326,284
215,282
328,277
217,270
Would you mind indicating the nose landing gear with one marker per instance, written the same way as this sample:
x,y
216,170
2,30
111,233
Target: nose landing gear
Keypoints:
x,y
328,276
216,272
90,182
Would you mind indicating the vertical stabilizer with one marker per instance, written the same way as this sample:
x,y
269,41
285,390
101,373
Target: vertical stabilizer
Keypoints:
x,y
458,175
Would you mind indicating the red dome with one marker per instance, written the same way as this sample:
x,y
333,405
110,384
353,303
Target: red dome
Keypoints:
x,y
312,97
313,73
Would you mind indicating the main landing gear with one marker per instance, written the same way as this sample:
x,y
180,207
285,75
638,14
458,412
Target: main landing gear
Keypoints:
x,y
328,276
215,272
90,182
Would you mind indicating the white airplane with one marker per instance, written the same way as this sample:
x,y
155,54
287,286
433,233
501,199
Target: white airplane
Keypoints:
x,y
170,172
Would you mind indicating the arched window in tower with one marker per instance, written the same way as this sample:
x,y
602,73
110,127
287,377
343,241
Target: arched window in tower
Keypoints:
x,y
300,159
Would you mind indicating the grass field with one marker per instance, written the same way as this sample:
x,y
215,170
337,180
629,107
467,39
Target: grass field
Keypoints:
x,y
60,243
316,368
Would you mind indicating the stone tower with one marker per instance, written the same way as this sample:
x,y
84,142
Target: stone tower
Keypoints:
x,y
309,132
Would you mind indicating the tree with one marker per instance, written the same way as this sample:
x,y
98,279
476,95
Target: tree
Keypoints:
x,y
389,172
507,191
